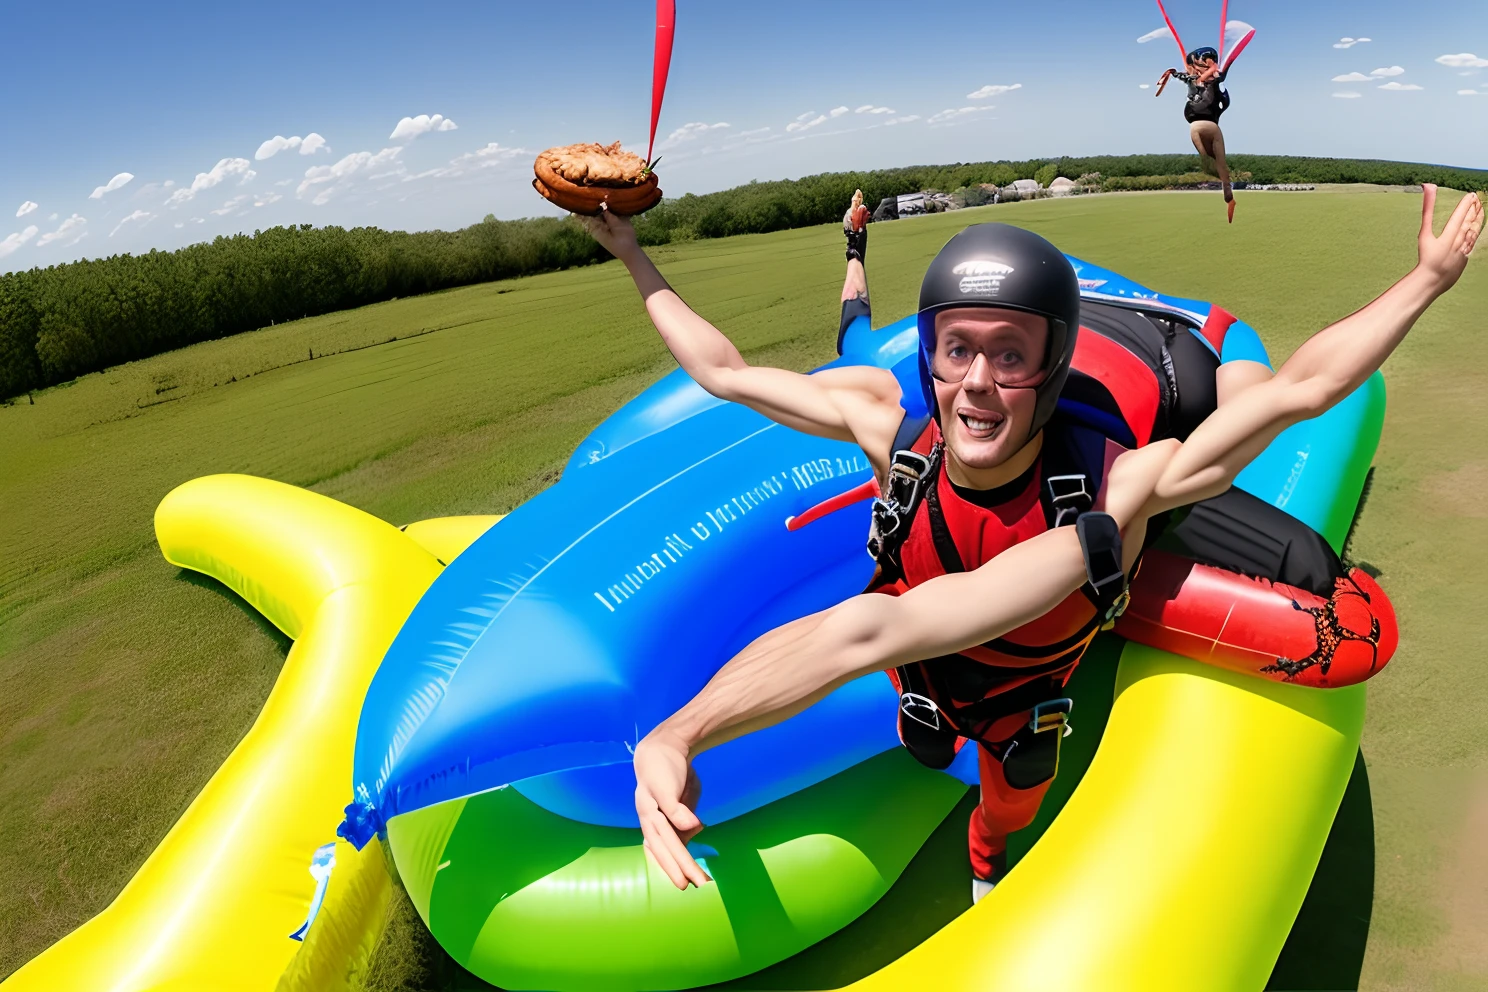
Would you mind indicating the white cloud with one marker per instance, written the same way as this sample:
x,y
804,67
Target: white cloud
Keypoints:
x,y
954,113
338,175
1400,87
1350,42
491,155
838,111
137,215
275,145
1144,86
17,239
869,108
264,199
411,127
1467,93
224,169
902,120
1349,95
308,145
1161,32
1352,77
808,114
122,179
53,215
230,205
989,91
70,232
1387,72
689,131
800,124
1465,60
753,133
26,208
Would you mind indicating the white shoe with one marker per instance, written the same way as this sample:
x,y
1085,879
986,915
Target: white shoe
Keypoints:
x,y
979,888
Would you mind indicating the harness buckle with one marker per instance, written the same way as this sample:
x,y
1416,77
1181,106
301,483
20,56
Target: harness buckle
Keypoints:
x,y
1123,599
1069,489
908,475
1052,714
921,709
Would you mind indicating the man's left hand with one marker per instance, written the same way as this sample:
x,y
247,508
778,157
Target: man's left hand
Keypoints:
x,y
667,790
1443,258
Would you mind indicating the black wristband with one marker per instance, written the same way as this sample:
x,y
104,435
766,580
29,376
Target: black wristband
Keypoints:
x,y
857,244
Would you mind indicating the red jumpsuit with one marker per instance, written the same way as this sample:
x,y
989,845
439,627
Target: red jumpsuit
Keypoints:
x,y
1039,656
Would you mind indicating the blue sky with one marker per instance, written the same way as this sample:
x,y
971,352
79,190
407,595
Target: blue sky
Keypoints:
x,y
183,97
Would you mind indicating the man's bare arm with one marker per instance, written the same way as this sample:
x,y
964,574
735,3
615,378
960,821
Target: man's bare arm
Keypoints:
x,y
848,404
1326,368
789,668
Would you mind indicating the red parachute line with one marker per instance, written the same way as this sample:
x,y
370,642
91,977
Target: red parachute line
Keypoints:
x,y
666,27
1182,52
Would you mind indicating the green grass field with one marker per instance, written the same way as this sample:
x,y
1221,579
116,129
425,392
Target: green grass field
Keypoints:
x,y
124,682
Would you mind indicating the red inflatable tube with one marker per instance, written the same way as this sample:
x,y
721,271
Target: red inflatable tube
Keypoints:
x,y
1263,628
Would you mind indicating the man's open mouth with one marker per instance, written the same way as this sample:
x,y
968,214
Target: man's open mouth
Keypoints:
x,y
983,425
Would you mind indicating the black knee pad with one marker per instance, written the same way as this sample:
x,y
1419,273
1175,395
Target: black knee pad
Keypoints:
x,y
1031,759
1243,533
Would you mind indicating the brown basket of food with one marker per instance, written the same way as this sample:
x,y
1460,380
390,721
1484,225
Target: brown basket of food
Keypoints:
x,y
581,177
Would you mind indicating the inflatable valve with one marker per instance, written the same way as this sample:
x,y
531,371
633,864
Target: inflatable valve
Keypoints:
x,y
321,864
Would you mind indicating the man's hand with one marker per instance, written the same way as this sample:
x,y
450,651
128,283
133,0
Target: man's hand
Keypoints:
x,y
666,791
614,233
1444,258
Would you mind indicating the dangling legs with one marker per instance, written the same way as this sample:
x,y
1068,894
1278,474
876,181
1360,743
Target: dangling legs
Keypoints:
x,y
1209,140
1003,809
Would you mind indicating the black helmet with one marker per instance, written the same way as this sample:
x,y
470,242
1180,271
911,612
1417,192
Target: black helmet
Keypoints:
x,y
1005,267
1203,53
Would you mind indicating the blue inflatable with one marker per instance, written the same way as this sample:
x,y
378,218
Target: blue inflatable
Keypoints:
x,y
547,649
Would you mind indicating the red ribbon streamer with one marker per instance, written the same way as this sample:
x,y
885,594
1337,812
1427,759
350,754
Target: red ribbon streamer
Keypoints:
x,y
1224,19
1182,52
666,26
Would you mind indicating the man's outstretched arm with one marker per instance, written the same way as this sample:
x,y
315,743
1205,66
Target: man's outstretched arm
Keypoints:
x,y
1326,368
843,404
793,666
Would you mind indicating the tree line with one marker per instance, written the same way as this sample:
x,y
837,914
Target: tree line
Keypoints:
x,y
66,320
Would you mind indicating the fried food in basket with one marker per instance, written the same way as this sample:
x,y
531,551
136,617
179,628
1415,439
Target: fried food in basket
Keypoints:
x,y
580,177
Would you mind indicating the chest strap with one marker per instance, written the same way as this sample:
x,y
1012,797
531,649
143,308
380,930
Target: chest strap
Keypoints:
x,y
1067,497
911,475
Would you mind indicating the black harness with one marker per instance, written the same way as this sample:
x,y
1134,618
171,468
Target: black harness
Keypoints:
x,y
1071,468
943,699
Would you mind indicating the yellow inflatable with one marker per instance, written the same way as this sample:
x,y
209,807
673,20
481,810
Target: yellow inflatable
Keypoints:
x,y
1179,862
214,906
1183,855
